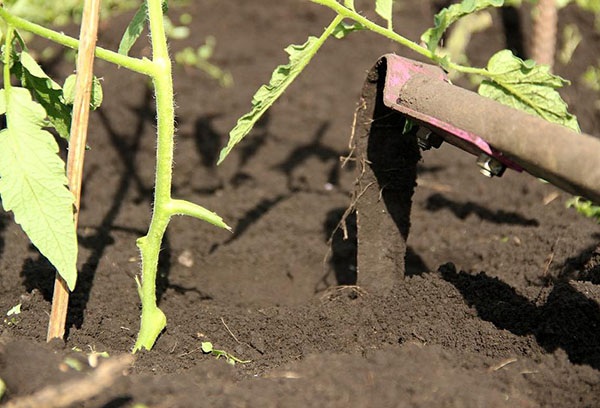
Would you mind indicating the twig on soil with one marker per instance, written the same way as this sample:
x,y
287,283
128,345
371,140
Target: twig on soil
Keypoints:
x,y
550,258
502,364
551,197
74,391
230,332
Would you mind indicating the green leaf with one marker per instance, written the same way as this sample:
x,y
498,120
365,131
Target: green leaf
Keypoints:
x,y
207,347
448,16
384,9
282,77
134,29
2,388
585,207
343,29
46,92
136,26
33,183
528,87
68,93
15,310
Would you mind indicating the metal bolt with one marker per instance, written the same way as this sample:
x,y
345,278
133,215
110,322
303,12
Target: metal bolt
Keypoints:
x,y
490,166
426,139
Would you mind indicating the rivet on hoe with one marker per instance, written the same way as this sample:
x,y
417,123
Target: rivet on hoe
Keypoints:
x,y
489,166
426,139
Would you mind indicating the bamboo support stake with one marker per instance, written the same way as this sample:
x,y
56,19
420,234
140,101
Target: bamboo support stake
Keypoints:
x,y
545,24
77,142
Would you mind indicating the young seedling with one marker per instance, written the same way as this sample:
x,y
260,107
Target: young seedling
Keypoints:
x,y
207,348
25,117
200,59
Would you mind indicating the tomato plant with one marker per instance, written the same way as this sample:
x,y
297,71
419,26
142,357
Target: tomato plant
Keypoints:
x,y
32,175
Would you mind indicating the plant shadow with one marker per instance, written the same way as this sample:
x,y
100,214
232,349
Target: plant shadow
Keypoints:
x,y
314,148
568,319
252,216
4,220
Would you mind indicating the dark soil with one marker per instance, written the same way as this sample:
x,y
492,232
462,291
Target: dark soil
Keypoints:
x,y
500,305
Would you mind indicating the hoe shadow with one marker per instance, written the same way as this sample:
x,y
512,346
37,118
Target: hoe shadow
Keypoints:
x,y
301,154
425,169
568,320
437,202
342,257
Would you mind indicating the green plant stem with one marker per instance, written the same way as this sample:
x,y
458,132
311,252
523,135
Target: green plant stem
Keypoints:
x,y
7,54
153,319
143,66
392,35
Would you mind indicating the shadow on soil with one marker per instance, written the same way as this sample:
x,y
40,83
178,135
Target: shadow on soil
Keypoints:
x,y
3,224
567,320
437,202
301,154
583,267
208,145
252,216
343,251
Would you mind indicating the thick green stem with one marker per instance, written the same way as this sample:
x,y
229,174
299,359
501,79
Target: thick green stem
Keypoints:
x,y
143,66
153,319
7,54
392,35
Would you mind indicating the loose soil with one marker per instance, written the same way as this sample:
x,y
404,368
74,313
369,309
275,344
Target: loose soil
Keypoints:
x,y
500,305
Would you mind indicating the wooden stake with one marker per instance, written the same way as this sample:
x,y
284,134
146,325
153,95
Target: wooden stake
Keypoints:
x,y
77,142
545,26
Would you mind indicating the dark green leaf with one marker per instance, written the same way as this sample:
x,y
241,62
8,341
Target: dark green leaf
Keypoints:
x,y
282,77
343,29
46,92
448,16
134,29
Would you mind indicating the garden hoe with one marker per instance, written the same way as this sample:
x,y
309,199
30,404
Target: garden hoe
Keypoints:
x,y
401,94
